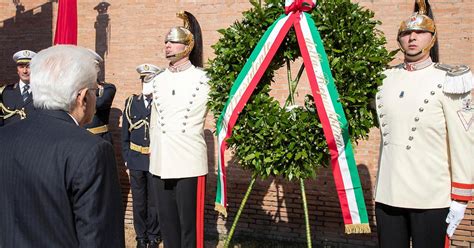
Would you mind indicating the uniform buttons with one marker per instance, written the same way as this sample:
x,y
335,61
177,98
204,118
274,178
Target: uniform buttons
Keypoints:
x,y
197,88
194,95
413,129
432,93
134,116
385,143
421,109
184,123
440,86
190,102
188,109
410,138
408,147
380,105
162,124
162,117
385,134
381,115
158,104
163,131
183,131
384,124
161,110
426,101
146,118
378,97
417,118
185,117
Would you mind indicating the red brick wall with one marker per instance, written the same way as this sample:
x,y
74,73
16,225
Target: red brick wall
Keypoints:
x,y
132,32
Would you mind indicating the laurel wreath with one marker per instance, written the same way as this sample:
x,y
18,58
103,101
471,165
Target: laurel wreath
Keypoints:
x,y
271,140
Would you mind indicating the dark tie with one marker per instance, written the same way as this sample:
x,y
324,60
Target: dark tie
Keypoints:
x,y
25,95
148,100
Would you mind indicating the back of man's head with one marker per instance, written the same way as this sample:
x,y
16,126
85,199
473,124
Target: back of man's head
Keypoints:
x,y
58,74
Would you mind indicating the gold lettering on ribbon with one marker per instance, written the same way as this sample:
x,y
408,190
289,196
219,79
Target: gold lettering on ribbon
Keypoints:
x,y
333,117
248,78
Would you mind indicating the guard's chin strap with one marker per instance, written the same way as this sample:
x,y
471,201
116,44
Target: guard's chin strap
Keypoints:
x,y
414,55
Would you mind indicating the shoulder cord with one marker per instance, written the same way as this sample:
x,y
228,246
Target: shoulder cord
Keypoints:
x,y
5,113
137,124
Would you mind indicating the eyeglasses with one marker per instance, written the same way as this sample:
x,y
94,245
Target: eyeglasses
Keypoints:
x,y
99,91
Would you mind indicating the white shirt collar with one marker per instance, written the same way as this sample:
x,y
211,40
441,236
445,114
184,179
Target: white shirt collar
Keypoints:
x,y
77,123
21,85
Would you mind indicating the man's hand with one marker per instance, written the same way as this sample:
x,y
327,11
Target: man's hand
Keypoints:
x,y
455,216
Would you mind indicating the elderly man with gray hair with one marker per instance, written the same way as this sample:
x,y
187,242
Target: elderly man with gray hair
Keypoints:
x,y
58,182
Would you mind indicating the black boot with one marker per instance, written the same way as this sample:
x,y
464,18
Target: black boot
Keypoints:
x,y
141,243
154,243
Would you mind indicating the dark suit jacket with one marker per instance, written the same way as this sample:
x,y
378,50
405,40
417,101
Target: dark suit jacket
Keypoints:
x,y
58,185
103,106
134,159
12,99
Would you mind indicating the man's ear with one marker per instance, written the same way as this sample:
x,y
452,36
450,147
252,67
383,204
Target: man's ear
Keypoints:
x,y
81,100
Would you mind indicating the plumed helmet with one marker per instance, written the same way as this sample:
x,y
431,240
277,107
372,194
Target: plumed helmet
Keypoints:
x,y
190,35
419,21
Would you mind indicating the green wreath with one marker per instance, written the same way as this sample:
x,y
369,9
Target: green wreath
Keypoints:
x,y
269,139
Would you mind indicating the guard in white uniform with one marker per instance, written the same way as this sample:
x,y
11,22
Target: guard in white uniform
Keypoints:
x,y
178,152
425,176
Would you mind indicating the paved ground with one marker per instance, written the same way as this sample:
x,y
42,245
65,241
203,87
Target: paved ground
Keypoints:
x,y
239,243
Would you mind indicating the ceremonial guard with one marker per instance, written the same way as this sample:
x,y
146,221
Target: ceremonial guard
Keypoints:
x,y
178,148
135,149
425,176
100,124
16,100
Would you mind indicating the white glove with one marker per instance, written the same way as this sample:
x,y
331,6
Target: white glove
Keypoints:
x,y
455,216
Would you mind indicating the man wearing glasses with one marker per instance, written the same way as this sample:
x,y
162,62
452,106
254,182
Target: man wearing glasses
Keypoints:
x,y
58,182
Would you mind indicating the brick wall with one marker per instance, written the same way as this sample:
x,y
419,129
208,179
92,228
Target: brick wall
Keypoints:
x,y
132,32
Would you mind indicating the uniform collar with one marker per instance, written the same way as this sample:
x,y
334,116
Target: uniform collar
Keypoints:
x,y
181,67
417,65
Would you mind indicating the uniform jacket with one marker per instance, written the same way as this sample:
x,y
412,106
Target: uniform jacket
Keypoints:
x,y
103,106
426,152
58,185
137,112
12,99
178,148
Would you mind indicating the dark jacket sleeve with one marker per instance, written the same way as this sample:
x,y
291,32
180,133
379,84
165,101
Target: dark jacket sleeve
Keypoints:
x,y
105,102
125,133
97,202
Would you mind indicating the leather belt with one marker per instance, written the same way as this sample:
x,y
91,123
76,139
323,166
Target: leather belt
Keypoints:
x,y
140,149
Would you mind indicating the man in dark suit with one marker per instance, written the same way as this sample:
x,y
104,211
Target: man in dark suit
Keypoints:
x,y
58,182
16,98
100,123
135,147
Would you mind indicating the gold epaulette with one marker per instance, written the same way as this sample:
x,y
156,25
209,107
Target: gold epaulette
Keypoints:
x,y
459,78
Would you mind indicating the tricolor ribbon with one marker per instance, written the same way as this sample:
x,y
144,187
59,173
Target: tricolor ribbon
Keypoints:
x,y
329,109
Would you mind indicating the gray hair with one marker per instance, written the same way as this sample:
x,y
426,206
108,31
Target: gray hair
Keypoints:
x,y
58,74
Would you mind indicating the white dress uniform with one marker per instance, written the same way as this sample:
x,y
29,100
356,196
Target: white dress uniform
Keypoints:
x,y
178,148
427,136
